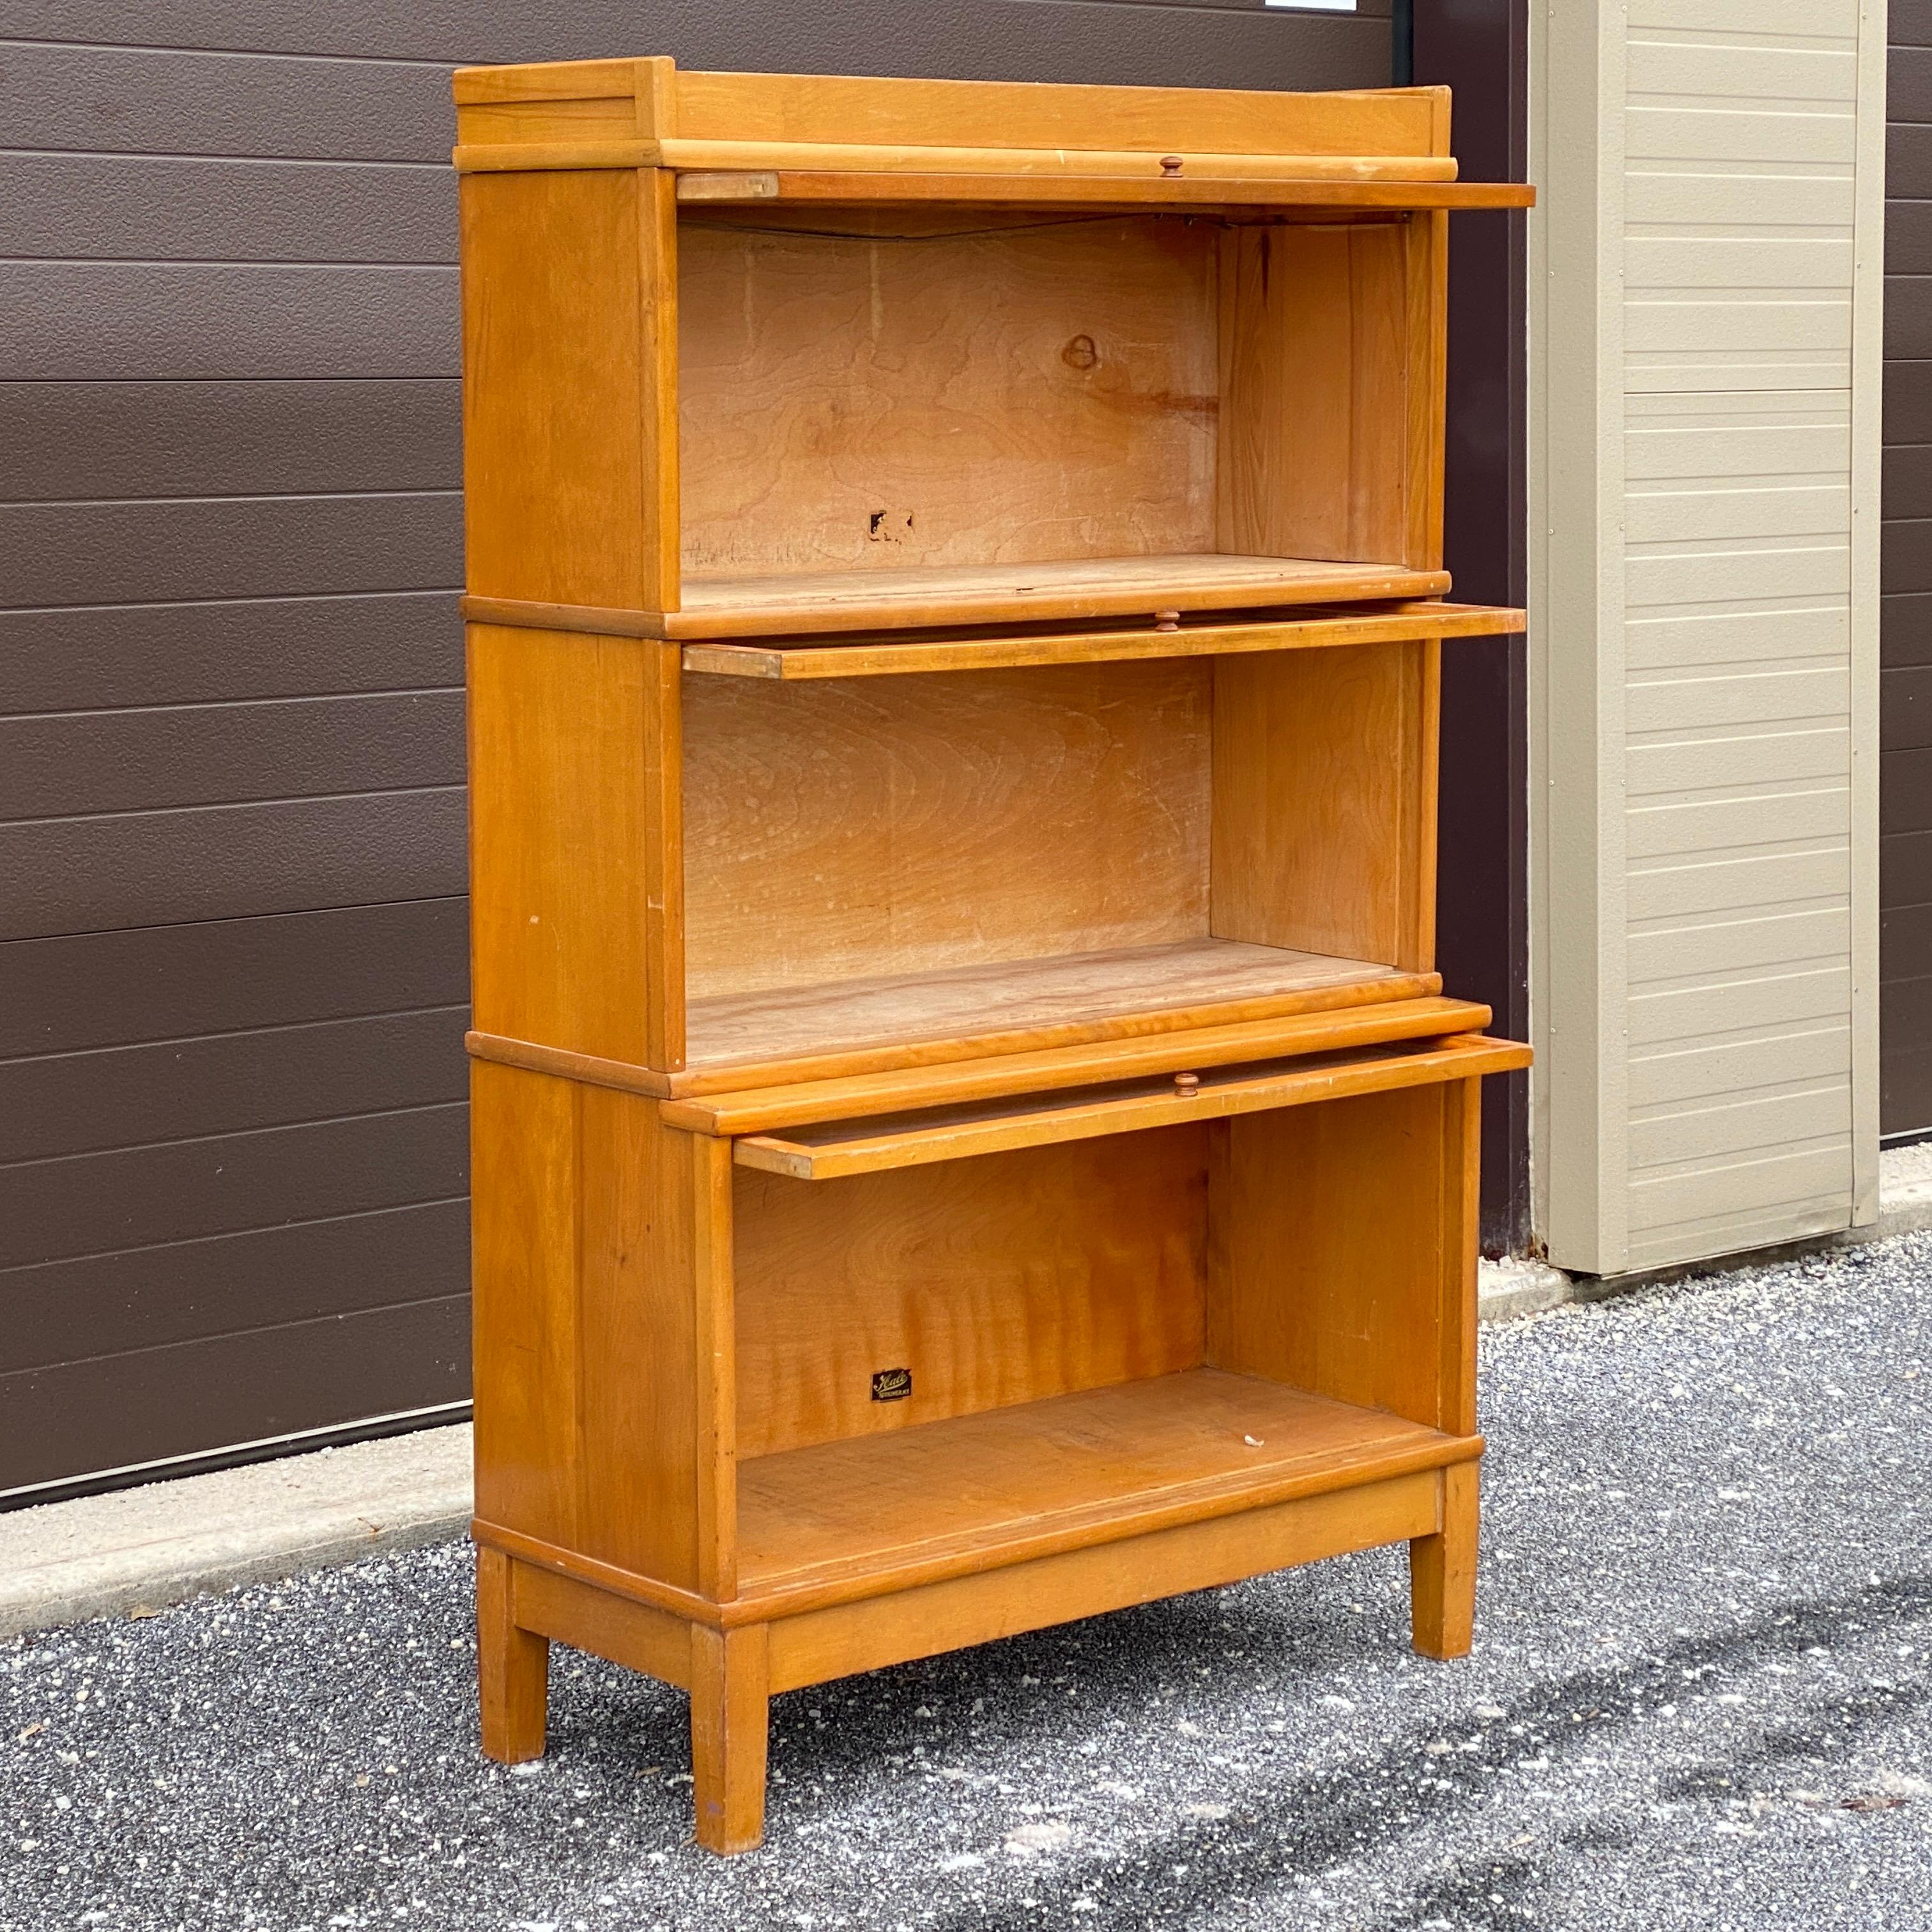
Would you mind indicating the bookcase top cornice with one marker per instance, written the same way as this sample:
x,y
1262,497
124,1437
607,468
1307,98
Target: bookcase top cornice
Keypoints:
x,y
752,136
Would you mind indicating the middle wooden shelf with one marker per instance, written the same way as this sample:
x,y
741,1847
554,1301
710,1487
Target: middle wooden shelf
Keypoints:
x,y
1063,995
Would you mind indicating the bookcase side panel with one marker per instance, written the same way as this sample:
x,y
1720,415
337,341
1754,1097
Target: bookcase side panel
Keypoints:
x,y
645,1427
1317,329
1343,1251
595,1343
1324,808
524,1156
577,877
1424,372
559,281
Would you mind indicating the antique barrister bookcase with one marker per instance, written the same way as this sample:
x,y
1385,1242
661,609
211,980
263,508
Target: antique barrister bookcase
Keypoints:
x,y
968,1131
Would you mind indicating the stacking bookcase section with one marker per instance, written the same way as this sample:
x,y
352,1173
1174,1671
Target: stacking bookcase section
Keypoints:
x,y
968,1133
739,879
758,1409
915,400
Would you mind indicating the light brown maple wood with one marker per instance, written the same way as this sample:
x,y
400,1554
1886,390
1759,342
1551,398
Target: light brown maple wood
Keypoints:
x,y
1442,1571
1094,1466
923,596
1050,452
627,1629
1311,349
840,832
729,1697
577,895
926,158
1363,1294
843,109
513,1666
847,421
1071,995
867,656
811,1640
921,1619
785,172
759,1110
993,1282
918,1138
1396,1008
591,1361
1325,801
1228,195
952,1152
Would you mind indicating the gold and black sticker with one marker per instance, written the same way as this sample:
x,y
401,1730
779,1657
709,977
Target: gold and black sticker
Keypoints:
x,y
892,1384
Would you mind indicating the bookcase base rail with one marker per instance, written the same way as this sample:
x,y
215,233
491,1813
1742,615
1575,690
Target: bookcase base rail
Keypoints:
x,y
525,1605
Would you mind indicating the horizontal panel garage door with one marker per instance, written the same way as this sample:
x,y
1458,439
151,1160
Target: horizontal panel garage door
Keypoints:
x,y
232,1160
1905,683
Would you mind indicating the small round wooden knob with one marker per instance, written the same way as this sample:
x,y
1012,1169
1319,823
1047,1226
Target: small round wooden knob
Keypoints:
x,y
1170,164
1167,620
1186,1084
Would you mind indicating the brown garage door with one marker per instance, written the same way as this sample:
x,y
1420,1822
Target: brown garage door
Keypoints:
x,y
1905,684
232,936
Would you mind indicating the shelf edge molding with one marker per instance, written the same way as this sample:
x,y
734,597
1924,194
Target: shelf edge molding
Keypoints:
x,y
875,657
725,171
910,1145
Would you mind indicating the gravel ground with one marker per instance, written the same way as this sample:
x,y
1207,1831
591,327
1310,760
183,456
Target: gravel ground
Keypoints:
x,y
1699,1700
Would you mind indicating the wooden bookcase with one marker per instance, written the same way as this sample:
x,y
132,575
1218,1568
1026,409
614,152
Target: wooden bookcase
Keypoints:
x,y
967,1130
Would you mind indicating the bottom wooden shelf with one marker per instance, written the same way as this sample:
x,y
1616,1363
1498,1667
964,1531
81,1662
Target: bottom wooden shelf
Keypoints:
x,y
879,1512
1191,981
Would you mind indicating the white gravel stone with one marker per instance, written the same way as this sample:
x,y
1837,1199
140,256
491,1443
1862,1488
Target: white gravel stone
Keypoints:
x,y
1685,1713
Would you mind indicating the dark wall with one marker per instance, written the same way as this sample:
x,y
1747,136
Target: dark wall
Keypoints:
x,y
231,927
1905,681
1479,48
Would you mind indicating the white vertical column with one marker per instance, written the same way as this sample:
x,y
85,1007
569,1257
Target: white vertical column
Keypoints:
x,y
1722,752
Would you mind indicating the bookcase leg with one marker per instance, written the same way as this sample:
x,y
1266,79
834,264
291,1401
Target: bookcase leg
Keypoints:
x,y
512,1669
729,1720
1442,1571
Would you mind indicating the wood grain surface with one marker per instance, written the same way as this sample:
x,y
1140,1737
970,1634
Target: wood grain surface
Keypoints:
x,y
862,656
841,831
758,1110
919,596
994,1281
1088,1466
1073,994
845,1148
1325,801
698,106
1015,396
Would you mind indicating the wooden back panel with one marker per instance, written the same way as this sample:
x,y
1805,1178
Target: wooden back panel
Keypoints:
x,y
839,831
1026,392
995,1281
